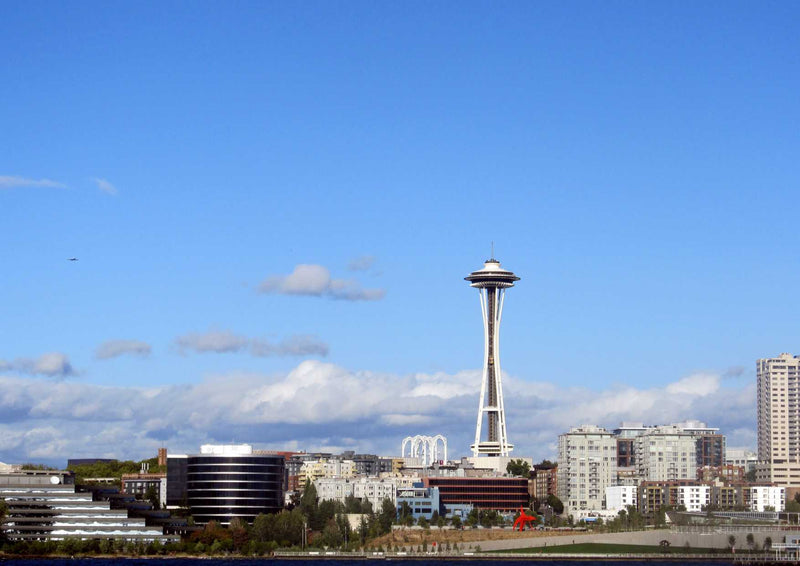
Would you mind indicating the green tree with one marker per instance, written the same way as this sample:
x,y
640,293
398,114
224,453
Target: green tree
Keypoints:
x,y
331,536
289,527
751,540
363,531
518,468
40,467
404,512
344,528
661,516
308,501
456,522
387,515
750,476
326,510
731,542
3,513
768,544
264,527
555,503
352,504
151,495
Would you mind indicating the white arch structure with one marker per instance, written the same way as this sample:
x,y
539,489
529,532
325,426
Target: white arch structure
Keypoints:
x,y
426,448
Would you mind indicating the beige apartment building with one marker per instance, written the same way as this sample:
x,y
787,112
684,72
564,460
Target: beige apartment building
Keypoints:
x,y
587,465
778,402
666,453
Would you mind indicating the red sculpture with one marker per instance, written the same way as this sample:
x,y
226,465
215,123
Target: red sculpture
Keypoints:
x,y
523,519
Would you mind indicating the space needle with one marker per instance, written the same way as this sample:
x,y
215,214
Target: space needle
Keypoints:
x,y
491,281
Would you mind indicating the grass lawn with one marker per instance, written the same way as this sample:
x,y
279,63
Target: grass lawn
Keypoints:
x,y
599,548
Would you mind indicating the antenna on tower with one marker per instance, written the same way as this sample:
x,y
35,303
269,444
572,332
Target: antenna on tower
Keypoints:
x,y
492,256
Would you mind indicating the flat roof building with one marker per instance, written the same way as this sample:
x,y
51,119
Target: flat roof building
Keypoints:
x,y
501,494
778,410
226,481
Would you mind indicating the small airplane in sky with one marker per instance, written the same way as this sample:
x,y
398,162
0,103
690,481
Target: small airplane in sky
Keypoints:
x,y
72,259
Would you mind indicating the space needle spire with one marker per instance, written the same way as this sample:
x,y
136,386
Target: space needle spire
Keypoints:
x,y
491,281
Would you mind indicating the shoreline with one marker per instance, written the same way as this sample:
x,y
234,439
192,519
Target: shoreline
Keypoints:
x,y
508,557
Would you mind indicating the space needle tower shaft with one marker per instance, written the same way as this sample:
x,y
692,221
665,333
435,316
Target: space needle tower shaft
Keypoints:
x,y
491,281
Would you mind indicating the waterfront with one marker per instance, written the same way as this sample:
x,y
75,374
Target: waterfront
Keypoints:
x,y
344,562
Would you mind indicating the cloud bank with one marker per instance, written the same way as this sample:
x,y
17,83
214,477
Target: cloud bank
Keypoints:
x,y
14,181
322,406
116,348
225,342
51,364
316,281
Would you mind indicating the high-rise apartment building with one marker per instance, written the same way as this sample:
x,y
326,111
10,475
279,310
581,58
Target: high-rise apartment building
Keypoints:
x,y
778,408
666,453
587,465
660,453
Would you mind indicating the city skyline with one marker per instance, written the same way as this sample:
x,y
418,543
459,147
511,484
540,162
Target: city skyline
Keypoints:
x,y
272,207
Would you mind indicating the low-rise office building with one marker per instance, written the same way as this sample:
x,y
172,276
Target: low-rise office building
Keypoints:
x,y
500,494
138,485
44,505
421,501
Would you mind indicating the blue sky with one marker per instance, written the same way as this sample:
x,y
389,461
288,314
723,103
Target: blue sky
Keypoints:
x,y
636,164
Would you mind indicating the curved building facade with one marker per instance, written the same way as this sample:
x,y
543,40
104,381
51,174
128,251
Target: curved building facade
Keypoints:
x,y
231,482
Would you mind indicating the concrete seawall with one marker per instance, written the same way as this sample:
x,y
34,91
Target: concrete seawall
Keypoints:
x,y
654,537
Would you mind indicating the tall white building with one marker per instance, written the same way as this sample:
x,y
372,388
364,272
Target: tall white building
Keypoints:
x,y
587,465
778,405
666,453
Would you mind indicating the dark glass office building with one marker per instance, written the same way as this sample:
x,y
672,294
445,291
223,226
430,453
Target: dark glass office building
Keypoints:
x,y
502,494
228,484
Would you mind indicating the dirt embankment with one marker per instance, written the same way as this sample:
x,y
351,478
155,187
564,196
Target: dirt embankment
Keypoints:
x,y
464,538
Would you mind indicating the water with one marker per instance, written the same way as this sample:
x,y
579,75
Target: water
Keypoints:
x,y
340,562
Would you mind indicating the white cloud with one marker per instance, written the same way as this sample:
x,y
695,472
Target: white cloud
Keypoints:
x,y
51,364
361,263
300,345
321,404
115,348
315,280
219,341
106,186
225,341
700,384
14,181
